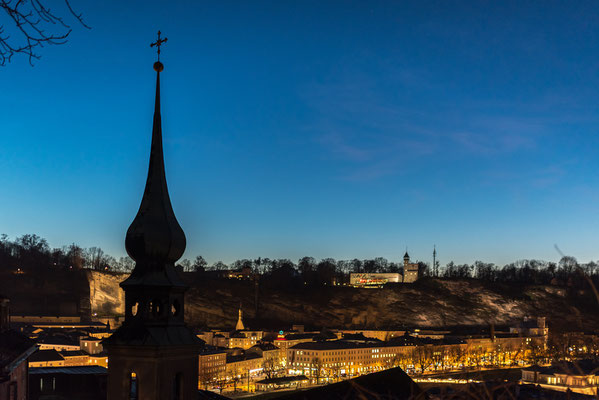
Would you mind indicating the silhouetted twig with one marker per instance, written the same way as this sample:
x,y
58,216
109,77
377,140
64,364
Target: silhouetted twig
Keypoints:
x,y
31,20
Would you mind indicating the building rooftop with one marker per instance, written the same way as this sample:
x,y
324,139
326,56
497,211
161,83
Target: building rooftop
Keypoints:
x,y
580,367
242,357
45,356
264,347
72,353
85,370
338,345
283,380
14,346
393,383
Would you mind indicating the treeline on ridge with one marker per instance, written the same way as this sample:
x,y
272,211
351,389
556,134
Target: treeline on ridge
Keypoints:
x,y
30,252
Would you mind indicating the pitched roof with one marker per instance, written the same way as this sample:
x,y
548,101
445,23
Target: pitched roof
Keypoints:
x,y
264,347
385,385
84,370
14,346
281,380
72,353
579,367
46,355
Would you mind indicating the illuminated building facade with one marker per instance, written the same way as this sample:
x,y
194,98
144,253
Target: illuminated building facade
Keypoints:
x,y
212,365
244,339
333,359
373,279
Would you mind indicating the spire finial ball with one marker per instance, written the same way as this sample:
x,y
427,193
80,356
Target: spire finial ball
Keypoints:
x,y
158,67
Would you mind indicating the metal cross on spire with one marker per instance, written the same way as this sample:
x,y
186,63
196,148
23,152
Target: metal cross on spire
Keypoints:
x,y
158,43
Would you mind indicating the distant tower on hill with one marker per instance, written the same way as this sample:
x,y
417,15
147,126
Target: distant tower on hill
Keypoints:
x,y
153,354
435,267
239,326
410,271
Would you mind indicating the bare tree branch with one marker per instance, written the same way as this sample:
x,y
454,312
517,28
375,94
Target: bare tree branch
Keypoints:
x,y
34,26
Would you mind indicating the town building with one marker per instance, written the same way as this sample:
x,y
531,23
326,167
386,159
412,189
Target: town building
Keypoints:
x,y
91,345
579,376
244,339
285,342
75,358
244,364
87,383
383,335
15,349
331,360
393,383
153,354
531,327
283,382
46,358
272,356
212,365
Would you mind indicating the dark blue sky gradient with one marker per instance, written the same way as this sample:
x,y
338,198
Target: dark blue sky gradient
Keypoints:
x,y
332,129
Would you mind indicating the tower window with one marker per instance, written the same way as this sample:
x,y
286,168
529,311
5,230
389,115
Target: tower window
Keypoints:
x,y
156,307
134,308
133,387
175,308
178,387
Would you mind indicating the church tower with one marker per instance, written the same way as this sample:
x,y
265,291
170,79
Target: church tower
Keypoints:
x,y
153,355
410,270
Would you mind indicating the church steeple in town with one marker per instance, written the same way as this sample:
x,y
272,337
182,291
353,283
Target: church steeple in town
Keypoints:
x,y
240,326
153,355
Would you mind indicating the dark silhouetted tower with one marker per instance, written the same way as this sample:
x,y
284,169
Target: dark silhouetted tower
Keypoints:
x,y
153,355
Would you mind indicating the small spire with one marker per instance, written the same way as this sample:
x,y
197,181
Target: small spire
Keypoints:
x,y
240,326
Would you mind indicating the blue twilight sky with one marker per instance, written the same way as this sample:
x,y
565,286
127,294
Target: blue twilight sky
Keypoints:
x,y
332,129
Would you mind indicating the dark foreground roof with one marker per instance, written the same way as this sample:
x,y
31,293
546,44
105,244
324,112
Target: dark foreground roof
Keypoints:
x,y
501,391
14,347
85,370
391,384
208,395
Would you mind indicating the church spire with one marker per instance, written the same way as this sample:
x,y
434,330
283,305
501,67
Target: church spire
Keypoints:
x,y
155,239
153,354
240,326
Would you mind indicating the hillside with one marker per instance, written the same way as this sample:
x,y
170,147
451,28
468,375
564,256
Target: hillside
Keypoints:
x,y
432,303
214,303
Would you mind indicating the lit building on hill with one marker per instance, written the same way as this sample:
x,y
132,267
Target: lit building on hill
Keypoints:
x,y
379,279
374,280
410,270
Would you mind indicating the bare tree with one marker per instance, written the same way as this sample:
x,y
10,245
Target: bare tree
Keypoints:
x,y
34,25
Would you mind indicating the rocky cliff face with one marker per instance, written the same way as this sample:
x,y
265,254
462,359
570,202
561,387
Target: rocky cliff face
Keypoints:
x,y
427,303
107,299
